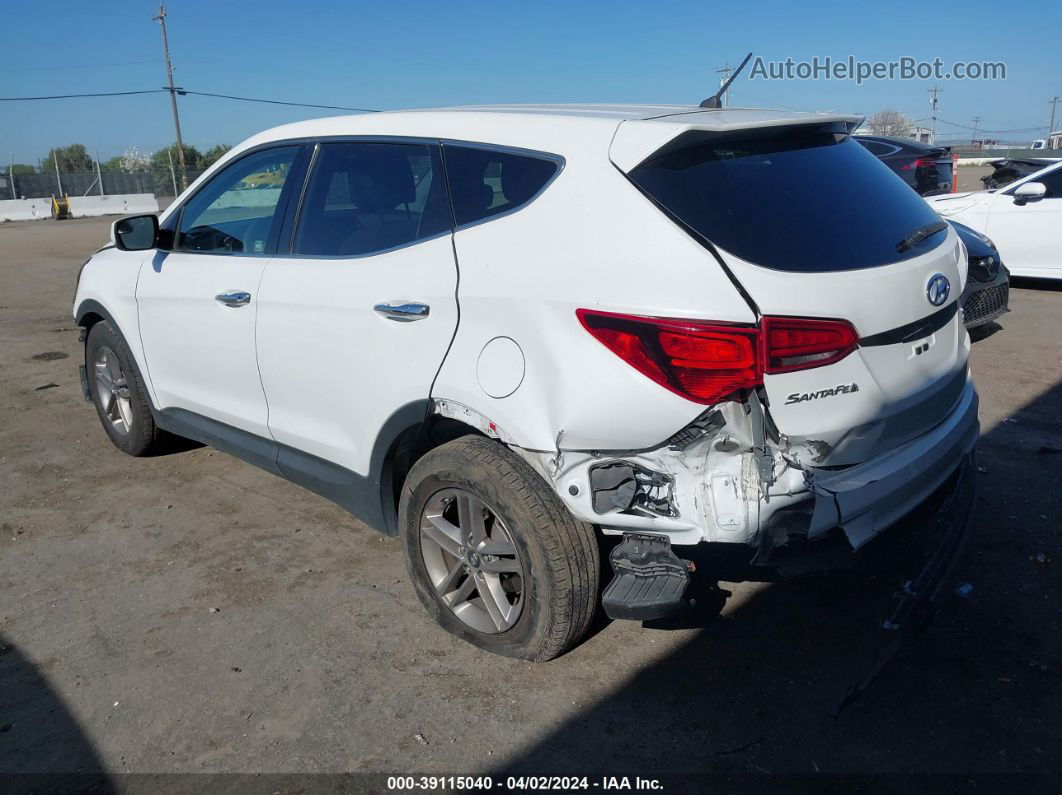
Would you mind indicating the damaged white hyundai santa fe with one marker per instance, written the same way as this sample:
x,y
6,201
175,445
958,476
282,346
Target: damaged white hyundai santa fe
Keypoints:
x,y
503,333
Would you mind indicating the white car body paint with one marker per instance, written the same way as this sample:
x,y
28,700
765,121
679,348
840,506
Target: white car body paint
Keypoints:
x,y
1026,234
207,366
311,366
330,393
109,280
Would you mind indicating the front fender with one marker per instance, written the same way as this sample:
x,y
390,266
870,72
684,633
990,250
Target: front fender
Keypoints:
x,y
89,311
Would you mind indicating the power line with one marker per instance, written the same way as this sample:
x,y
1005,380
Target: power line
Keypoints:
x,y
182,92
279,102
78,96
78,67
968,127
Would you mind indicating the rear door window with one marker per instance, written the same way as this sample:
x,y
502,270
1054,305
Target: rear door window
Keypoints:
x,y
794,199
368,197
487,182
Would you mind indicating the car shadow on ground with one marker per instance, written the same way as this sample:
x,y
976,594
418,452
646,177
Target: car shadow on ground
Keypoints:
x,y
754,691
42,746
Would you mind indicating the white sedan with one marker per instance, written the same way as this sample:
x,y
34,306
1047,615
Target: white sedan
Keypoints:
x,y
1024,220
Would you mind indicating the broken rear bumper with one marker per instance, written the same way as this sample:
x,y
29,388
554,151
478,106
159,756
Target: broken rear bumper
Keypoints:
x,y
864,500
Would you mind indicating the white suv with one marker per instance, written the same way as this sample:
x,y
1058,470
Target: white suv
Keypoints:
x,y
501,332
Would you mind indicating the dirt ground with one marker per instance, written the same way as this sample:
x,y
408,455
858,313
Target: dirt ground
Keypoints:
x,y
189,613
970,177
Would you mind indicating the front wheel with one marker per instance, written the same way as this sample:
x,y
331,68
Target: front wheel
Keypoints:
x,y
118,393
493,554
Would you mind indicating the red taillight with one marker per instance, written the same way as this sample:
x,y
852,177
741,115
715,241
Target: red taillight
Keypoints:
x,y
796,343
708,362
922,162
703,362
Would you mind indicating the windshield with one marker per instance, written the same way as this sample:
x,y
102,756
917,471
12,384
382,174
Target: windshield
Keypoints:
x,y
795,199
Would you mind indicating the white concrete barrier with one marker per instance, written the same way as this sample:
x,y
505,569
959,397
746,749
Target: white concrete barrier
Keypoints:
x,y
80,206
250,197
25,209
982,161
121,204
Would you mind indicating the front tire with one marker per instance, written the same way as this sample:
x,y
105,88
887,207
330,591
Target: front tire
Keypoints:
x,y
494,556
118,392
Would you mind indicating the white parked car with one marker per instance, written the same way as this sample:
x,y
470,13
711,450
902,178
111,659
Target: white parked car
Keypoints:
x,y
1024,220
502,332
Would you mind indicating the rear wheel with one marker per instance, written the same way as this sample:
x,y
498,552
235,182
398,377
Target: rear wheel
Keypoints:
x,y
495,557
118,392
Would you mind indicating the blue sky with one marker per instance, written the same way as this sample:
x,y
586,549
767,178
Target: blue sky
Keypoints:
x,y
420,54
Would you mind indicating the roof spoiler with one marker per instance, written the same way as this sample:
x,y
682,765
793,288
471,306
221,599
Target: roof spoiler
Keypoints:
x,y
636,140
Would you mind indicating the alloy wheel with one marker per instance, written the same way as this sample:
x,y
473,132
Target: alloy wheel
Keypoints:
x,y
112,390
472,561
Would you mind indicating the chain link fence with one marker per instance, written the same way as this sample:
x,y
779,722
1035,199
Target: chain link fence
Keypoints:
x,y
85,183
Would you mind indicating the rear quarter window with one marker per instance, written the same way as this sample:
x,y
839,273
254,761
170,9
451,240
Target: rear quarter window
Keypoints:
x,y
806,200
488,182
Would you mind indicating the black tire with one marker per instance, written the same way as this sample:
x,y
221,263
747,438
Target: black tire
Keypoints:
x,y
141,437
559,554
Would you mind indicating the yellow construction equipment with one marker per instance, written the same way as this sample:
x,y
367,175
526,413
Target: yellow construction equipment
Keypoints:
x,y
60,207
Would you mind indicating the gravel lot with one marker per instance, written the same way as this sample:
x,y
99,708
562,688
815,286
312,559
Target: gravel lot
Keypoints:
x,y
189,613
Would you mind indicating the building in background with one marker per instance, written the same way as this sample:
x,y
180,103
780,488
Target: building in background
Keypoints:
x,y
923,135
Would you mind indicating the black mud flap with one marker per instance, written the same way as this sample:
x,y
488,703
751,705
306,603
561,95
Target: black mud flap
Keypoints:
x,y
650,580
85,389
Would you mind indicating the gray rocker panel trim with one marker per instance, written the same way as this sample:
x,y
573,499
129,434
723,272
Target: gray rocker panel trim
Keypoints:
x,y
367,497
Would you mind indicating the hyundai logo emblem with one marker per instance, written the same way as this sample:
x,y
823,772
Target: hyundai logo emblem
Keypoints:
x,y
938,289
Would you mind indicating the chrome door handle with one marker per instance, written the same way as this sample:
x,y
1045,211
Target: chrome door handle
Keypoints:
x,y
233,299
403,313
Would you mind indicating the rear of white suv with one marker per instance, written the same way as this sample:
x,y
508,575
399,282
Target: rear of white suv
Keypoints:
x,y
500,332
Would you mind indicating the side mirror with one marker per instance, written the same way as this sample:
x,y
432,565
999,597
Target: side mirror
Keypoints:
x,y
136,233
1029,192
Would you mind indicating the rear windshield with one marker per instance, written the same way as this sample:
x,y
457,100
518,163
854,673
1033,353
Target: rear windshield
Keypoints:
x,y
806,200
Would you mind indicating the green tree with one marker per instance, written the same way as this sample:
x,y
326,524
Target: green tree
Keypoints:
x,y
20,168
213,154
114,164
160,167
69,158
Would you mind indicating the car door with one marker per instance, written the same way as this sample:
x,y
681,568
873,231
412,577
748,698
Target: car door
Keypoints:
x,y
197,302
1027,234
355,320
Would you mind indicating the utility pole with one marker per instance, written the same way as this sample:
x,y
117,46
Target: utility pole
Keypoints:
x,y
976,121
161,19
933,103
1053,103
725,72
172,175
99,173
55,160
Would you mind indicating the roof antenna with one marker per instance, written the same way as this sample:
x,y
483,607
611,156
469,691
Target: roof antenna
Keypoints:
x,y
715,102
